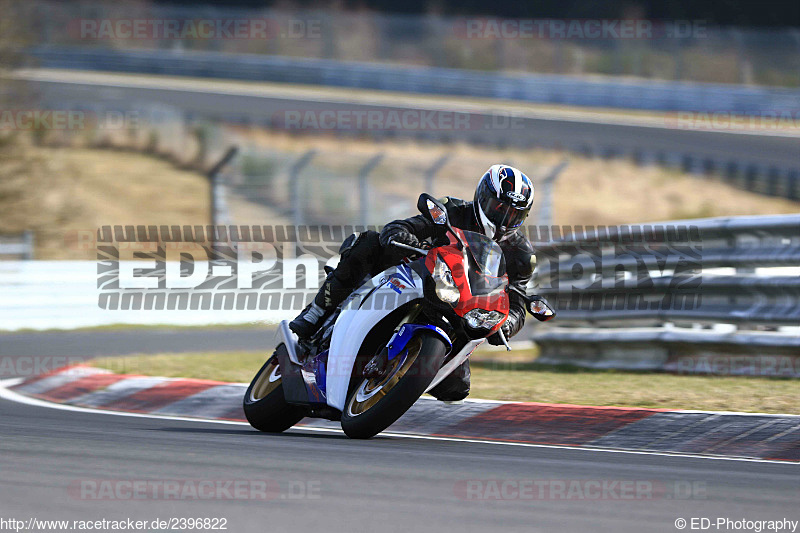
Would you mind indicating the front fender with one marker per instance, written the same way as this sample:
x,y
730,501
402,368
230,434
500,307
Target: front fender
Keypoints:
x,y
400,339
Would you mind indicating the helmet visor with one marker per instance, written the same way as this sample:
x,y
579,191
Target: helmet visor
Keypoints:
x,y
502,214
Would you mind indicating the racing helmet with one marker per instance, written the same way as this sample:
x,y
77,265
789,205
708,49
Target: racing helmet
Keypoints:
x,y
503,199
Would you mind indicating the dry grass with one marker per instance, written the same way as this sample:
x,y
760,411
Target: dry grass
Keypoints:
x,y
618,192
516,380
58,192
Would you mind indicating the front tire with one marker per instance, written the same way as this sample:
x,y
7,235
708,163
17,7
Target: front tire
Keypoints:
x,y
264,403
376,403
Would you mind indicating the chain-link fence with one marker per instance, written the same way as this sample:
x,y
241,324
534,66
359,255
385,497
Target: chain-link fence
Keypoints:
x,y
300,180
364,186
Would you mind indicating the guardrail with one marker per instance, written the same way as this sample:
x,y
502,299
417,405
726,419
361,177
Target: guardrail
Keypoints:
x,y
661,49
20,246
656,297
539,88
652,296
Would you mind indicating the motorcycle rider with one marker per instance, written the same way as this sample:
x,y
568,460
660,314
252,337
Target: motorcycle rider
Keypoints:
x,y
502,201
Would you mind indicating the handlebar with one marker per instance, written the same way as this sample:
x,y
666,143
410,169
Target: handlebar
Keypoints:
x,y
503,338
409,247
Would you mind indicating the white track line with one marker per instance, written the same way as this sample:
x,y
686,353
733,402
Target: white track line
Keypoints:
x,y
7,394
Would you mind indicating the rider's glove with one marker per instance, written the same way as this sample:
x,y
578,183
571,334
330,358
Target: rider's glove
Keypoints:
x,y
405,237
507,328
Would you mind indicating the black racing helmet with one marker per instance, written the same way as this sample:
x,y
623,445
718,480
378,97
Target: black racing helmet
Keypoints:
x,y
503,200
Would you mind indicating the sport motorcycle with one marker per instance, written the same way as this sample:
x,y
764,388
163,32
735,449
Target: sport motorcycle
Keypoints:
x,y
394,338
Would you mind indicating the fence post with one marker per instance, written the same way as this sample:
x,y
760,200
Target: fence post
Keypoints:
x,y
363,187
546,212
294,186
432,171
215,186
215,192
677,52
27,240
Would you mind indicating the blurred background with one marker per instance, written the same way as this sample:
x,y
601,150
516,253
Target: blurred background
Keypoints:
x,y
270,113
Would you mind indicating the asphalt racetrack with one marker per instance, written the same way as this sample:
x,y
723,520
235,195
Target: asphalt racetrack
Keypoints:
x,y
26,349
756,148
394,484
323,481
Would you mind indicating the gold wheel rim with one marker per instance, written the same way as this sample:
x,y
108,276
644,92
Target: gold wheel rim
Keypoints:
x,y
267,382
372,390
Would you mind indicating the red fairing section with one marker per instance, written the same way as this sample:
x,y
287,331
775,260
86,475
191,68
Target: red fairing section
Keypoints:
x,y
495,301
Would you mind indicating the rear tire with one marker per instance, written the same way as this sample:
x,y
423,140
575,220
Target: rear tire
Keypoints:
x,y
264,404
376,403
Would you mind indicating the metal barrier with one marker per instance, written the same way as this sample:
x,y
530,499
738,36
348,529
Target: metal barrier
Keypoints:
x,y
17,245
539,88
652,296
665,49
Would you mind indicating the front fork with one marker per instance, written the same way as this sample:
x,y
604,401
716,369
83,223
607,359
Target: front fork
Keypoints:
x,y
403,333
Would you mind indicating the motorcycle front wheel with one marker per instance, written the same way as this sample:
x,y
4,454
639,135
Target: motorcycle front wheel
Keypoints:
x,y
375,403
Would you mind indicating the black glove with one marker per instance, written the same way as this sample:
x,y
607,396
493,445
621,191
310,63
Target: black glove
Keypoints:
x,y
404,237
507,327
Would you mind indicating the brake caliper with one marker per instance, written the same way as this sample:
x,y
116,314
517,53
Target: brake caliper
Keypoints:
x,y
376,366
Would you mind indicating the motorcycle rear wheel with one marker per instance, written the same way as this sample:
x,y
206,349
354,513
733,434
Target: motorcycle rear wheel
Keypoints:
x,y
375,403
264,403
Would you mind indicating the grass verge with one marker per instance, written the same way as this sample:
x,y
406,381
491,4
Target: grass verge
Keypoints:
x,y
509,377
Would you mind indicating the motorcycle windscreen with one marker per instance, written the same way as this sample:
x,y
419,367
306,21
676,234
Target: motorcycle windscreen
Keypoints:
x,y
486,266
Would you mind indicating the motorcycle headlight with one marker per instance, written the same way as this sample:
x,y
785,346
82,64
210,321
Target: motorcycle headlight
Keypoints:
x,y
480,319
446,289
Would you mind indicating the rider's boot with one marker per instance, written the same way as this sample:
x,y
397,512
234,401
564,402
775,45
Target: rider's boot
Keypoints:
x,y
330,295
308,321
455,387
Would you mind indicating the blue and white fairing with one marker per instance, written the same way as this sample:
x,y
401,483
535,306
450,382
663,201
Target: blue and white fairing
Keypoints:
x,y
360,313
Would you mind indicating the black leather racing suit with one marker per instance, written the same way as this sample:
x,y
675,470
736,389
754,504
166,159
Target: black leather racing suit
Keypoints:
x,y
370,253
517,250
520,261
